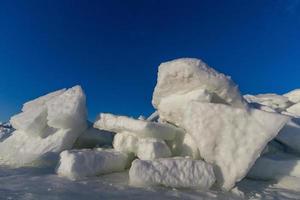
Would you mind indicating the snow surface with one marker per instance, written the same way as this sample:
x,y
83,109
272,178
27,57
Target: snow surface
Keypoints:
x,y
172,172
126,142
230,138
78,164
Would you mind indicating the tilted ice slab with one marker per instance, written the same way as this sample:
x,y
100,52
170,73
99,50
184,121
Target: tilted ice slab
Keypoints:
x,y
275,167
293,95
32,121
230,138
68,110
171,108
152,148
141,128
41,101
184,75
22,149
172,172
126,142
290,136
78,164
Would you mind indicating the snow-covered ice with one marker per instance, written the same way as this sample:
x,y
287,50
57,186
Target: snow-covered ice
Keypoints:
x,y
172,172
184,145
39,135
68,110
183,75
141,128
231,138
126,142
152,148
78,164
32,121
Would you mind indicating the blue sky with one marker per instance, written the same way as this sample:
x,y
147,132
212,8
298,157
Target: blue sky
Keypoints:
x,y
113,48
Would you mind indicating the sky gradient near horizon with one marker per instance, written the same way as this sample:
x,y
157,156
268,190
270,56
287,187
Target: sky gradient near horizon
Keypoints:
x,y
112,48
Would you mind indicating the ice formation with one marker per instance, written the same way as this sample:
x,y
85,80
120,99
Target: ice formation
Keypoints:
x,y
172,172
233,140
202,133
152,148
141,128
47,126
126,142
78,164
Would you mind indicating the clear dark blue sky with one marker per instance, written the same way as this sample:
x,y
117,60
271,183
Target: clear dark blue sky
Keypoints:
x,y
113,48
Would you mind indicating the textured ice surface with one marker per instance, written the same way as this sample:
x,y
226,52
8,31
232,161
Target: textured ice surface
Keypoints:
x,y
32,121
294,109
230,138
5,130
93,137
273,101
22,149
293,95
78,164
141,128
68,110
183,75
41,101
290,136
172,172
184,145
125,142
171,108
275,166
152,148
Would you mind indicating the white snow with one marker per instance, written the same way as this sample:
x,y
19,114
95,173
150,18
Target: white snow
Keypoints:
x,y
172,172
141,128
152,148
230,138
78,164
126,142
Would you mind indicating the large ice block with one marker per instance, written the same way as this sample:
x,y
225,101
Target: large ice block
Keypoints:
x,y
68,110
78,164
152,148
172,172
183,75
231,138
